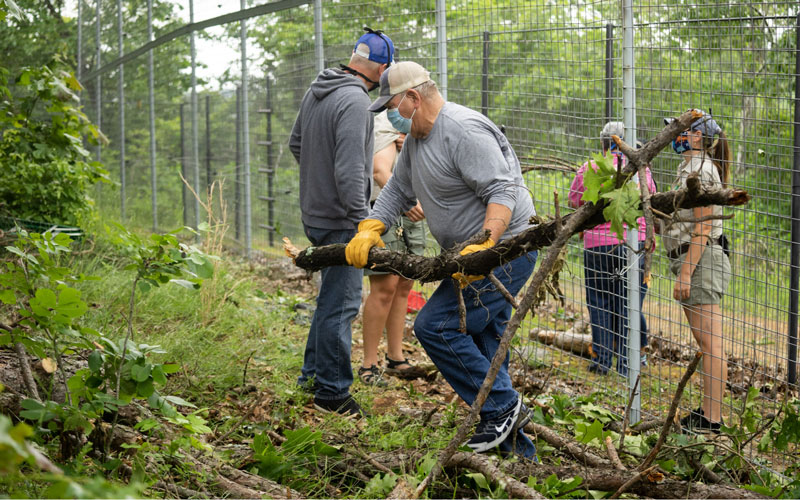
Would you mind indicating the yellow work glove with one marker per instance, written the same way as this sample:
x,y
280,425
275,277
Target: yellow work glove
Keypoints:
x,y
466,279
368,235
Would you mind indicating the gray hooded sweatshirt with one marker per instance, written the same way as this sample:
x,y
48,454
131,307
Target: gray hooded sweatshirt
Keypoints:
x,y
332,141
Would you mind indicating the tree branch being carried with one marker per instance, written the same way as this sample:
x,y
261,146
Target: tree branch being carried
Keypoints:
x,y
428,269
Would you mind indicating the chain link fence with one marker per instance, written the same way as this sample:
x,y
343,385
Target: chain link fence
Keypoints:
x,y
551,74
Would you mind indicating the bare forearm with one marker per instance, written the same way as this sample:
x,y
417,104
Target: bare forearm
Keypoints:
x,y
497,220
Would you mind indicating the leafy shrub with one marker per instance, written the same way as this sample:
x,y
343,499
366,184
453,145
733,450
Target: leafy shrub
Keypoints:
x,y
45,172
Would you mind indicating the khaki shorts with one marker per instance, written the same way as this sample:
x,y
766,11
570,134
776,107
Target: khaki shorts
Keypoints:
x,y
710,278
413,242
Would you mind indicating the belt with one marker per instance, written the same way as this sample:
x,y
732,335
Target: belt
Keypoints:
x,y
677,252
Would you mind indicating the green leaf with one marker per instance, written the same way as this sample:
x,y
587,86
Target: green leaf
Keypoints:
x,y
95,361
147,424
8,297
140,373
46,298
588,433
179,401
158,375
600,180
171,368
94,382
185,284
623,208
145,389
31,404
480,480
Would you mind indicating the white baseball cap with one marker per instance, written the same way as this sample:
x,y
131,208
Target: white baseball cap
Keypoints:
x,y
396,79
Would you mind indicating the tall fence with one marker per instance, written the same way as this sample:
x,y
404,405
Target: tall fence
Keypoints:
x,y
551,74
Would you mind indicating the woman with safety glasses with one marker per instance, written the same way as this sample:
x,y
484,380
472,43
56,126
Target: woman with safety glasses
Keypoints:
x,y
694,244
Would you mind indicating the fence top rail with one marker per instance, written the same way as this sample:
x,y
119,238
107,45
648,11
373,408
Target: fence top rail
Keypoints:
x,y
258,10
717,20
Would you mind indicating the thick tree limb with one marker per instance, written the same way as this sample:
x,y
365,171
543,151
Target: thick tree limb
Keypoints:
x,y
654,485
602,477
481,463
428,269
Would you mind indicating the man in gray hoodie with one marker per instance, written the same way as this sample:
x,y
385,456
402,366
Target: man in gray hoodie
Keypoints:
x,y
332,141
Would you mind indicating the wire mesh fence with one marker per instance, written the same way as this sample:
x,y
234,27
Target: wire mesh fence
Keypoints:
x,y
549,73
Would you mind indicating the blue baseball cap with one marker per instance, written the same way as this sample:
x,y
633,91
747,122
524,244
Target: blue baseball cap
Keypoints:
x,y
375,46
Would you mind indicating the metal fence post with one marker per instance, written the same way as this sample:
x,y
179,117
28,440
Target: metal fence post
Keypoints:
x,y
485,75
270,170
319,49
441,45
80,41
633,275
248,209
195,140
183,168
609,71
237,197
151,97
795,264
98,98
121,92
209,174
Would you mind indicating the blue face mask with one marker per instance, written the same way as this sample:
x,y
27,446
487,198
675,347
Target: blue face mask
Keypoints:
x,y
398,121
681,144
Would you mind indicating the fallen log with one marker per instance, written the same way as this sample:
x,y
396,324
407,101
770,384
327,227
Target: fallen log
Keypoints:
x,y
578,343
481,463
654,485
599,476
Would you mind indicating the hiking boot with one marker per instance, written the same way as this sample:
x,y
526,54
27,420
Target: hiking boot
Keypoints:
x,y
371,376
696,421
492,432
408,373
347,407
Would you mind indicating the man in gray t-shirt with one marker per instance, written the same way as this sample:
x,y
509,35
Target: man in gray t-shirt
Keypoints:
x,y
465,174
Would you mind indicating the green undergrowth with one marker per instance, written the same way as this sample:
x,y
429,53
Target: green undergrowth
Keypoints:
x,y
227,358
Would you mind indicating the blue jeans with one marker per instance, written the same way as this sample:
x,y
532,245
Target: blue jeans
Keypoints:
x,y
326,361
464,360
607,299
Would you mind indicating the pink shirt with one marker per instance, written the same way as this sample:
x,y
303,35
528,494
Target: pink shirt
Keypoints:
x,y
602,235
